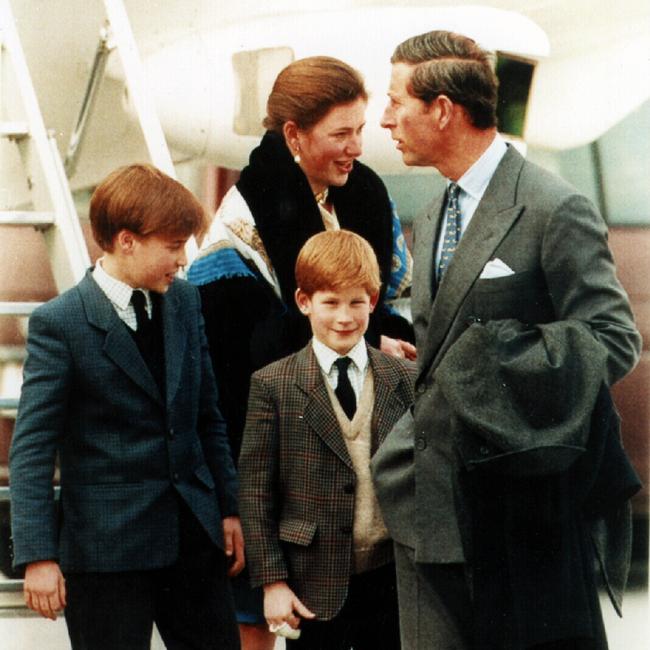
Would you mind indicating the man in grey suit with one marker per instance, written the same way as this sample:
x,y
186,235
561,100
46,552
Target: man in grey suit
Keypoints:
x,y
520,321
119,388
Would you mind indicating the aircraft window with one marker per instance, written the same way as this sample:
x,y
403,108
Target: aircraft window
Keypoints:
x,y
255,71
515,77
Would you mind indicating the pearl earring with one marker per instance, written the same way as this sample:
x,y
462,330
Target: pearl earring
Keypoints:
x,y
296,159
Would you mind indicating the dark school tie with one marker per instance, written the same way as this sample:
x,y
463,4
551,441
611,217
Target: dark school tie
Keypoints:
x,y
452,230
138,300
344,391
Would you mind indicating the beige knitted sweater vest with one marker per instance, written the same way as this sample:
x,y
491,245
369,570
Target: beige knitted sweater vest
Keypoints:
x,y
370,541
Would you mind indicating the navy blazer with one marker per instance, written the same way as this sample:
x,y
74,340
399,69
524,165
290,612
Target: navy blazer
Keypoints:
x,y
125,451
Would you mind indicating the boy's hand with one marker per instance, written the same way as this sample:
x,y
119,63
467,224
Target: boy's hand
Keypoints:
x,y
44,588
281,605
233,538
398,348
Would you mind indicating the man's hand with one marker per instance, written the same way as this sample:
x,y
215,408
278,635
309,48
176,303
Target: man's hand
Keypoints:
x,y
44,588
234,544
398,348
281,605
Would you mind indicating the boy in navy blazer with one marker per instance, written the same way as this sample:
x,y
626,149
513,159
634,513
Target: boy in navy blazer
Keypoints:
x,y
315,537
119,387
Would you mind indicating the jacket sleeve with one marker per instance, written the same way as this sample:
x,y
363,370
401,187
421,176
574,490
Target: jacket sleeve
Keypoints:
x,y
40,425
259,485
581,277
396,308
212,428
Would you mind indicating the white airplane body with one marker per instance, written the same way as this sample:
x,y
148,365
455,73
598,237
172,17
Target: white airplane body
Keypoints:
x,y
592,66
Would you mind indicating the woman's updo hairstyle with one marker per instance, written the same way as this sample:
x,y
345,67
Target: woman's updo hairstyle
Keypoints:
x,y
306,90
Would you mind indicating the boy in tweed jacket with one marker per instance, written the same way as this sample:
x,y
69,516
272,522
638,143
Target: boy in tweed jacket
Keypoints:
x,y
315,537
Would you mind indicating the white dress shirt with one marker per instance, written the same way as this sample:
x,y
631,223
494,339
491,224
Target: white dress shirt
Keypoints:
x,y
473,184
119,293
356,370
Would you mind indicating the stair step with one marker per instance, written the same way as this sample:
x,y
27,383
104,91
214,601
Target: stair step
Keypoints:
x,y
26,218
8,403
18,308
7,585
14,130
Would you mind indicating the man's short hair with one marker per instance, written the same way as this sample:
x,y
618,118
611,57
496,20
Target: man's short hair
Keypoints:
x,y
337,259
142,199
453,65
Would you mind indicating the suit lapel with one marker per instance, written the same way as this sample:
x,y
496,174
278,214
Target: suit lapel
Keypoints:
x,y
119,345
423,255
319,413
494,216
388,407
175,335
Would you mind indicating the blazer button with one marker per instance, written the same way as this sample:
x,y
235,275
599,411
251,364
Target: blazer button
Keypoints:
x,y
170,433
348,488
421,389
421,443
346,530
175,477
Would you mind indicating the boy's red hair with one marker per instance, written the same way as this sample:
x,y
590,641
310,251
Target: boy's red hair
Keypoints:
x,y
337,259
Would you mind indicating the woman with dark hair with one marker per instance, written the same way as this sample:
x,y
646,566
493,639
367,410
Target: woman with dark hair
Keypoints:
x,y
303,178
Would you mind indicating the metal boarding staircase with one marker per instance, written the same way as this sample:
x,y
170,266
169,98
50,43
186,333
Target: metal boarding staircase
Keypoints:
x,y
51,209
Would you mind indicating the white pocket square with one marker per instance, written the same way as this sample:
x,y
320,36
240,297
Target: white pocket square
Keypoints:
x,y
495,268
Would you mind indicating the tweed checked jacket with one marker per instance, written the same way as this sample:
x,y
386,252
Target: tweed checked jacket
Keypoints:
x,y
126,452
297,481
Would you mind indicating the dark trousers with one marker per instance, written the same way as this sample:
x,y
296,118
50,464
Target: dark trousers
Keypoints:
x,y
437,612
190,601
368,620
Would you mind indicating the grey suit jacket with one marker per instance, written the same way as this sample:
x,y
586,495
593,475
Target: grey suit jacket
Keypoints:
x,y
125,451
297,477
556,244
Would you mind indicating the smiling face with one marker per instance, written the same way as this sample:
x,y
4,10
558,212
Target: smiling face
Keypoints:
x,y
146,262
411,121
328,149
338,318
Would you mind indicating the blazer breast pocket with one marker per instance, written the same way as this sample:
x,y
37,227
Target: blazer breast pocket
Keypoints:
x,y
523,296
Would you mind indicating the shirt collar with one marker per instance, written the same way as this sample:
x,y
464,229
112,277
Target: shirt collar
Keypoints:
x,y
326,356
476,179
118,292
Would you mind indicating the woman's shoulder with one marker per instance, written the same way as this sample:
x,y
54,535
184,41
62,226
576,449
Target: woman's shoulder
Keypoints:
x,y
233,206
220,261
363,174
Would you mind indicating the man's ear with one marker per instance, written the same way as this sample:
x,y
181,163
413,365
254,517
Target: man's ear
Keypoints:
x,y
125,241
303,301
373,301
443,109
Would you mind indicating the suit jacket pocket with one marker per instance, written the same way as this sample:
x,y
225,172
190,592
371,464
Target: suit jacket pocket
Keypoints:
x,y
202,472
297,531
522,296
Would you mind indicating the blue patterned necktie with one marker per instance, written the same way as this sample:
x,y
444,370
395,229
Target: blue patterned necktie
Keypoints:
x,y
452,231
